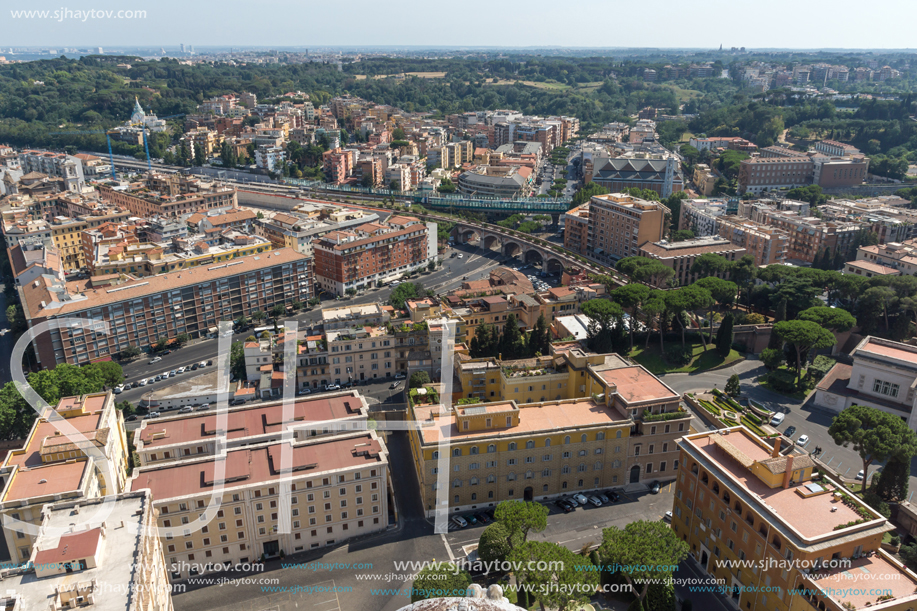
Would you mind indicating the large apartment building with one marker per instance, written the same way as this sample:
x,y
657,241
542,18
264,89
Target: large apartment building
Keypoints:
x,y
51,468
756,518
810,236
140,311
760,174
616,225
897,256
336,488
373,253
143,200
680,256
510,448
767,245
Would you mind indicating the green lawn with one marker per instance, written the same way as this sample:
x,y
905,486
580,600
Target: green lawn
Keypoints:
x,y
799,394
654,361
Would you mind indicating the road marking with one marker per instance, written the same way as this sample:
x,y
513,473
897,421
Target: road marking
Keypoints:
x,y
448,549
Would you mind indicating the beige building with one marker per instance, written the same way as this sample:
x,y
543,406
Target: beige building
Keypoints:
x,y
96,554
337,490
50,467
680,256
602,423
618,225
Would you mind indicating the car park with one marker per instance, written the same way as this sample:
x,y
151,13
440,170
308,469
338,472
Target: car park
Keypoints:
x,y
778,419
459,521
581,499
186,410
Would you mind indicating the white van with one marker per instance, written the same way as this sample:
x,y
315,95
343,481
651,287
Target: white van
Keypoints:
x,y
777,419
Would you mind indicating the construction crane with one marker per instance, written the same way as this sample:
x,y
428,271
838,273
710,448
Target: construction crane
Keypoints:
x,y
111,157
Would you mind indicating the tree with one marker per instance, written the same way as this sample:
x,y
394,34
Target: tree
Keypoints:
x,y
875,435
131,352
403,292
237,360
733,386
110,372
440,580
494,544
431,266
520,517
799,293
351,291
486,341
278,310
655,309
644,269
681,235
631,297
648,548
512,345
539,342
558,578
418,379
161,343
743,273
710,264
772,357
687,299
723,292
724,336
182,338
805,336
258,316
603,315
834,319
894,480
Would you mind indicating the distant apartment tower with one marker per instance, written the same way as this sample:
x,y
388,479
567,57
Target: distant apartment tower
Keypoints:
x,y
766,244
618,225
760,174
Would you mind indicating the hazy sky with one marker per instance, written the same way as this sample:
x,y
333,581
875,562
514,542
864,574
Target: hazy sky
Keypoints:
x,y
583,23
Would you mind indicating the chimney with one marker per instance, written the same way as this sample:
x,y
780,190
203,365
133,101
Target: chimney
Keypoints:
x,y
776,451
788,474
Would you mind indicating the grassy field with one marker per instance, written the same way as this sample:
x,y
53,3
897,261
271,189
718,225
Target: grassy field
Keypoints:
x,y
684,95
653,360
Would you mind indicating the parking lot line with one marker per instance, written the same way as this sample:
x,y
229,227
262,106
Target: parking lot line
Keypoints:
x,y
448,548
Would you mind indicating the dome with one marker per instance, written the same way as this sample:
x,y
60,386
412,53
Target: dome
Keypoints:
x,y
138,115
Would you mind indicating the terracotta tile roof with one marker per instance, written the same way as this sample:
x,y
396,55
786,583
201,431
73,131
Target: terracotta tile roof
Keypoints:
x,y
636,385
70,547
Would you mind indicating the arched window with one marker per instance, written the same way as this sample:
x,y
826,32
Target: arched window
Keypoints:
x,y
581,468
726,497
457,452
491,449
564,485
529,444
474,481
566,440
547,443
546,473
491,479
694,468
618,436
704,479
512,447
529,475
456,483
511,477
474,449
435,455
583,438
597,466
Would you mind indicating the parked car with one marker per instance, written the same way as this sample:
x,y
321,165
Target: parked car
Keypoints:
x,y
581,499
202,364
471,519
333,387
131,418
209,363
194,367
860,474
595,501
667,517
790,431
605,500
142,382
155,359
459,521
565,506
461,256
153,415
482,518
172,373
180,370
395,384
399,376
186,410
305,391
803,440
778,419
118,390
237,402
202,408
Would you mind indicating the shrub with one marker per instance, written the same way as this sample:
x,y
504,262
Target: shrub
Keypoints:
x,y
873,500
821,366
782,381
676,355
